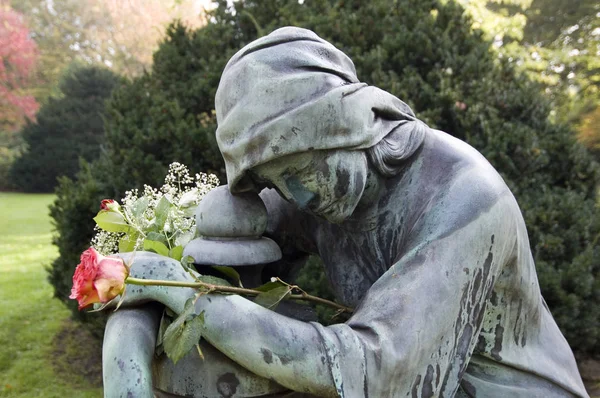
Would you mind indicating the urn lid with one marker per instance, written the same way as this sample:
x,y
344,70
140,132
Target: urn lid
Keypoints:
x,y
230,229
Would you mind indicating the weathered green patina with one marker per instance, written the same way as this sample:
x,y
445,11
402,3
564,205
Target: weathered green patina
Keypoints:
x,y
415,229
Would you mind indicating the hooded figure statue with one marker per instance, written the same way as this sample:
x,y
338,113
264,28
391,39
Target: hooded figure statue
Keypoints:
x,y
437,257
415,229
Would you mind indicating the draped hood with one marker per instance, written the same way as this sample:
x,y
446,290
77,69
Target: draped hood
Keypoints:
x,y
291,92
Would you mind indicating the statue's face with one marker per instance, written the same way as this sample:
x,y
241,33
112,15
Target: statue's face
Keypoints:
x,y
328,184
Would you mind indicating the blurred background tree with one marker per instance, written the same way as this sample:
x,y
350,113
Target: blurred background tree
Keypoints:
x,y
67,128
121,35
41,39
556,43
18,57
426,52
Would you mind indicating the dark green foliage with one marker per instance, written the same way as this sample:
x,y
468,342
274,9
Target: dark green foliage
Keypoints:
x,y
312,279
66,129
422,51
72,212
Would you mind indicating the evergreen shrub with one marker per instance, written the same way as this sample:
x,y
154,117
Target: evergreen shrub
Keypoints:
x,y
66,129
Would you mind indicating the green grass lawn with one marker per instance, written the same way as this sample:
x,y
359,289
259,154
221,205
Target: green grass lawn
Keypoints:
x,y
30,318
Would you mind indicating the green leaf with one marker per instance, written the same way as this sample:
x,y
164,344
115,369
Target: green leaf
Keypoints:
x,y
269,286
161,212
127,243
229,272
184,333
213,280
184,238
156,236
188,262
156,247
111,221
139,207
190,211
273,297
165,321
176,252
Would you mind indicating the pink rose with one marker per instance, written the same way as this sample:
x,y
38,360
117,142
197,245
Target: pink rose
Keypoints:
x,y
97,278
109,205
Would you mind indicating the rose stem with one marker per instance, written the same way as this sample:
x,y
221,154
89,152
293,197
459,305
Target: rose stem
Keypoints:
x,y
231,289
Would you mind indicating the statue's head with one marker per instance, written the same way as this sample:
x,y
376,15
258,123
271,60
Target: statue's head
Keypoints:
x,y
293,115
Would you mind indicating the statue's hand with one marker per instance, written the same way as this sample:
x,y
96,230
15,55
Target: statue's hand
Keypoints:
x,y
147,265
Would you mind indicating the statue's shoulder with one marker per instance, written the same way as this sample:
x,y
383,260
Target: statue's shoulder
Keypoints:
x,y
460,166
455,186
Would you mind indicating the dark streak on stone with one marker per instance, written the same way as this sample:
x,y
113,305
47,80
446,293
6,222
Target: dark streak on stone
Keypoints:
x,y
267,355
463,303
495,353
343,179
415,387
464,341
427,391
487,265
468,388
481,343
285,359
494,298
446,377
517,323
476,285
365,385
477,313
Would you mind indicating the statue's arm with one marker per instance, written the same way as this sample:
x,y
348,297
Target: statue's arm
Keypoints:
x,y
131,331
128,349
413,332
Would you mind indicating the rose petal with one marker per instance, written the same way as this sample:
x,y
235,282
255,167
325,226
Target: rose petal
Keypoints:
x,y
107,289
86,300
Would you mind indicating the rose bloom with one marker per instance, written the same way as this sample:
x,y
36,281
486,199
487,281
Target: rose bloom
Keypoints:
x,y
97,278
109,205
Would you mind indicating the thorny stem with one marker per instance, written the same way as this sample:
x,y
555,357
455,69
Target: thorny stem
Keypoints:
x,y
237,290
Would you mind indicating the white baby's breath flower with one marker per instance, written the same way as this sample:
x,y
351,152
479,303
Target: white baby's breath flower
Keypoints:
x,y
105,243
183,192
189,198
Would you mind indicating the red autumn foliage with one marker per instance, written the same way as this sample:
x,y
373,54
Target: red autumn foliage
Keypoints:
x,y
18,57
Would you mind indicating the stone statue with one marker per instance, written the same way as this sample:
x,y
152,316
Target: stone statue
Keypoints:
x,y
415,228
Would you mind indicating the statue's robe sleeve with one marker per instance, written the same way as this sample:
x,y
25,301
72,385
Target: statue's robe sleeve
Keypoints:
x,y
415,330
